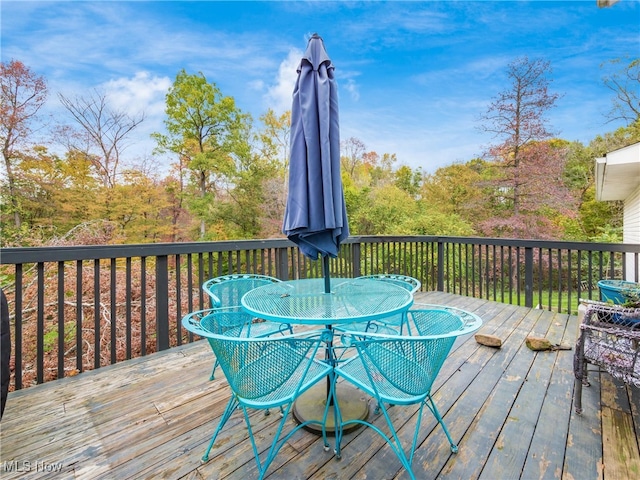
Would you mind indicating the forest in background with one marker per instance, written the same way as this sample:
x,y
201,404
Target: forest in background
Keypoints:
x,y
229,178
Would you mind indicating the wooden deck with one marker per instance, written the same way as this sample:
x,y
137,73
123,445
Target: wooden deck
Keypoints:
x,y
510,410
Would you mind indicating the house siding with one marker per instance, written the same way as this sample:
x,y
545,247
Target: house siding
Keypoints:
x,y
631,231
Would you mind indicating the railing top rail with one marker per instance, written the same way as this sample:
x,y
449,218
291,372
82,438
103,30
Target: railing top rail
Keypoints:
x,y
9,256
507,242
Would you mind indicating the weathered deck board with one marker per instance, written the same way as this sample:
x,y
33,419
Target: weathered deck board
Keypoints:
x,y
623,461
491,397
547,451
510,410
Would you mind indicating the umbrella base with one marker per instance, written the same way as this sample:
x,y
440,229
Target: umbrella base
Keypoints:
x,y
310,406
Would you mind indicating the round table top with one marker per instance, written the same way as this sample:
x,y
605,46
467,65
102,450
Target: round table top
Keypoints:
x,y
305,301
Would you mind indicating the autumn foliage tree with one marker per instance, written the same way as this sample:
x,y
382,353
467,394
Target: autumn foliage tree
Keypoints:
x,y
528,169
23,93
457,190
205,129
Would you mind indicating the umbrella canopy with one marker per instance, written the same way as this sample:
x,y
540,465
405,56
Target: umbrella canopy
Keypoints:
x,y
315,217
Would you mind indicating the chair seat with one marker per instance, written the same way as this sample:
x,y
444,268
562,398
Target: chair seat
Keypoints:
x,y
227,291
354,370
394,324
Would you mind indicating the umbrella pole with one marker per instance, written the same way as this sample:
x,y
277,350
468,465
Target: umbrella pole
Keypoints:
x,y
327,274
330,353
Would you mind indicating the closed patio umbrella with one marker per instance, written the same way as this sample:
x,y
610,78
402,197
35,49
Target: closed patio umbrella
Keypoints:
x,y
315,216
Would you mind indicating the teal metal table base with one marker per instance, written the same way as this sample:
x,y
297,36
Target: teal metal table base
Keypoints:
x,y
353,405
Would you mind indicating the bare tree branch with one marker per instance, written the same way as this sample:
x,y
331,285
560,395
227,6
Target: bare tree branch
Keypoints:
x,y
625,84
106,130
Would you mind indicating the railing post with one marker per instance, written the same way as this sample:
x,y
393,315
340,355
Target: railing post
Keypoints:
x,y
355,266
162,302
528,277
282,264
440,266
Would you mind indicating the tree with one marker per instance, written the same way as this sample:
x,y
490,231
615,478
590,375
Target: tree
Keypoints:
x,y
408,180
579,174
516,118
102,129
543,194
205,129
274,137
141,208
56,193
382,172
352,154
271,168
456,189
273,148
434,222
625,83
379,211
23,94
176,211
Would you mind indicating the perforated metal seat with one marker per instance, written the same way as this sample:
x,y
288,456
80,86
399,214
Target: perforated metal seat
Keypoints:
x,y
400,370
410,283
227,291
263,373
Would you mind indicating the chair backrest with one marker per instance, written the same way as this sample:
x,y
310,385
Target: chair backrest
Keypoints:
x,y
229,321
256,367
432,319
400,367
410,364
410,283
227,290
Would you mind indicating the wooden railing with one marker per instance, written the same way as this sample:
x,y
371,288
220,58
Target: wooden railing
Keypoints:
x,y
80,308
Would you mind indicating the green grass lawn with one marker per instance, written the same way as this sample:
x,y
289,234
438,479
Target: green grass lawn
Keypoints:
x,y
559,301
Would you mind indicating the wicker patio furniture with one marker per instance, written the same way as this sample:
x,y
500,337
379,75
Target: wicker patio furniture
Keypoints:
x,y
609,337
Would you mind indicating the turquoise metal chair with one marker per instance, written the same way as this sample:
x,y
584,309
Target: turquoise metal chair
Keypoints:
x,y
410,283
263,373
434,319
227,291
400,370
393,324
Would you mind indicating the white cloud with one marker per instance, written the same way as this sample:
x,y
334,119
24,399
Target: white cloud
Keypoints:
x,y
352,87
142,93
278,96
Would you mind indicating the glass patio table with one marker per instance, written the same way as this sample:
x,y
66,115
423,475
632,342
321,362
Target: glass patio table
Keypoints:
x,y
304,302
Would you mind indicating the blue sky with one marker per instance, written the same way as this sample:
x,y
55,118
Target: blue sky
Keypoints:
x,y
413,77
